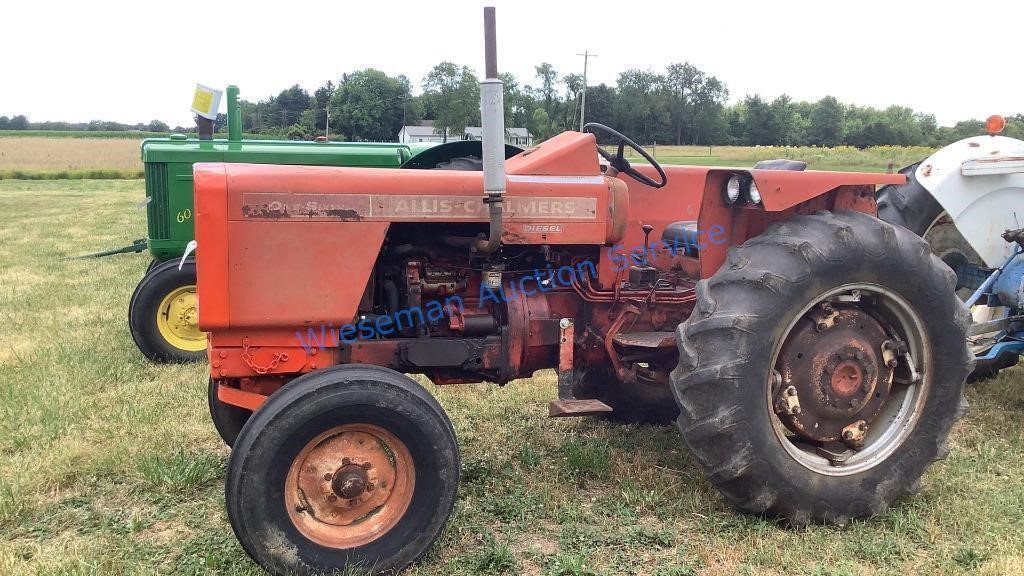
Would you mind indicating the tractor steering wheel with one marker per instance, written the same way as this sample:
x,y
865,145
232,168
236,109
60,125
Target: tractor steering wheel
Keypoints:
x,y
619,162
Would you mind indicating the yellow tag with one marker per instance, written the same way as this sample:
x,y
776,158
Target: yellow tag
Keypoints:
x,y
202,100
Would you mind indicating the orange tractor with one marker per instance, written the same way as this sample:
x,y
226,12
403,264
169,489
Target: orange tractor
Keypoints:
x,y
812,355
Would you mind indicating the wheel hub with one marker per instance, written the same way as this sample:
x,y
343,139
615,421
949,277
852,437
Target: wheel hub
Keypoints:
x,y
833,361
350,481
350,485
177,319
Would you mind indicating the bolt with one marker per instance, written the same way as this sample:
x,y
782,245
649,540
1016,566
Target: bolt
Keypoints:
x,y
796,410
891,363
299,508
862,426
353,502
332,497
853,403
858,355
223,354
367,465
369,487
848,434
328,476
791,391
345,461
822,326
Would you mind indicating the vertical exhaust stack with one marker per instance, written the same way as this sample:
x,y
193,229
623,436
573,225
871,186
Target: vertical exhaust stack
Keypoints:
x,y
492,113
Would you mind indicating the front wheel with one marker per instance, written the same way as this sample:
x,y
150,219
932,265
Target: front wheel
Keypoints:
x,y
822,368
351,469
163,315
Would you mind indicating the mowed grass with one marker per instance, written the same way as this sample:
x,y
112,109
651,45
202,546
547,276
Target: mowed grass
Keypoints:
x,y
109,464
841,158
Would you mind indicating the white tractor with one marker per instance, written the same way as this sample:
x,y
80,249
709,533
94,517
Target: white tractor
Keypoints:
x,y
967,201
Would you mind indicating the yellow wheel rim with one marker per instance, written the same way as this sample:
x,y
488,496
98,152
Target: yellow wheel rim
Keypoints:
x,y
177,319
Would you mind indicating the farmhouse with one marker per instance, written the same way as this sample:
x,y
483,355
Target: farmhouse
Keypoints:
x,y
424,132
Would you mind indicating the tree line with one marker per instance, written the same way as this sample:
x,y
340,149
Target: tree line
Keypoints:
x,y
680,105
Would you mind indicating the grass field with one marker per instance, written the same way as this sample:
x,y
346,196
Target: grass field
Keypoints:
x,y
47,157
109,464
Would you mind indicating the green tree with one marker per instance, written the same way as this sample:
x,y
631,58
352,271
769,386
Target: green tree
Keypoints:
x,y
828,121
540,124
548,92
157,126
370,105
320,103
601,104
454,93
573,89
640,109
290,103
19,122
757,122
5,123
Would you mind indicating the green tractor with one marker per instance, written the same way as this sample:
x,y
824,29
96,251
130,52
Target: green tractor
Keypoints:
x,y
162,314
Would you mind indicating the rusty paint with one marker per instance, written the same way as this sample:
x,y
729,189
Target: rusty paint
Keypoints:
x,y
240,398
837,371
350,485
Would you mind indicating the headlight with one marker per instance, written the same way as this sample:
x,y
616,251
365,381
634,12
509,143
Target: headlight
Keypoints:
x,y
732,189
755,194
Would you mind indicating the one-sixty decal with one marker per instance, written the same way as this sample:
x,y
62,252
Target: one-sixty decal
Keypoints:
x,y
274,205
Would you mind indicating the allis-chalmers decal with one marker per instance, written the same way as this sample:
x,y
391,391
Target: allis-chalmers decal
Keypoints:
x,y
274,205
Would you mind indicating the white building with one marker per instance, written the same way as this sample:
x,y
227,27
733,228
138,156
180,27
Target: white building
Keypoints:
x,y
425,133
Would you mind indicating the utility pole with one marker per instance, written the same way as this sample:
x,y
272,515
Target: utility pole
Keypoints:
x,y
327,125
583,104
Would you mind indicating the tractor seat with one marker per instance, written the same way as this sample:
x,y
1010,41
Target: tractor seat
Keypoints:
x,y
682,236
781,164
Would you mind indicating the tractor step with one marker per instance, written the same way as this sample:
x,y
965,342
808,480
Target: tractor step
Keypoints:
x,y
566,408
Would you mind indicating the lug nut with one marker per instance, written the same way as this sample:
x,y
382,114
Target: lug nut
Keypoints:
x,y
328,476
345,461
822,326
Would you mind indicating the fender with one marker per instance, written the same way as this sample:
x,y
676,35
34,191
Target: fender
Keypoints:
x,y
979,182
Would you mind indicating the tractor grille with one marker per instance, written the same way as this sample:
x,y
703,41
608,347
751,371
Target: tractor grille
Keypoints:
x,y
156,209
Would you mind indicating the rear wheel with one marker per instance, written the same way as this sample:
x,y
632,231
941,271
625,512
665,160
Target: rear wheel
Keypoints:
x,y
164,315
822,368
227,419
352,468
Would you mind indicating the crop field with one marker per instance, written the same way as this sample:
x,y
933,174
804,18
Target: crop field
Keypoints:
x,y
109,464
35,155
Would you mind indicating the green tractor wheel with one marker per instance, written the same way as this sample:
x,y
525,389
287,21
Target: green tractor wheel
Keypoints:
x,y
163,315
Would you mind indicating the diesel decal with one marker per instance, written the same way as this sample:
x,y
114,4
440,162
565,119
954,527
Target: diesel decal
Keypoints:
x,y
545,228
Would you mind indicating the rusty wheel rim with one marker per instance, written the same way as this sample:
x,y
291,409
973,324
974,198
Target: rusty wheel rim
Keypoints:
x,y
350,485
856,381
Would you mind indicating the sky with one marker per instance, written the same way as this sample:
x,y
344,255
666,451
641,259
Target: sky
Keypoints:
x,y
138,61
